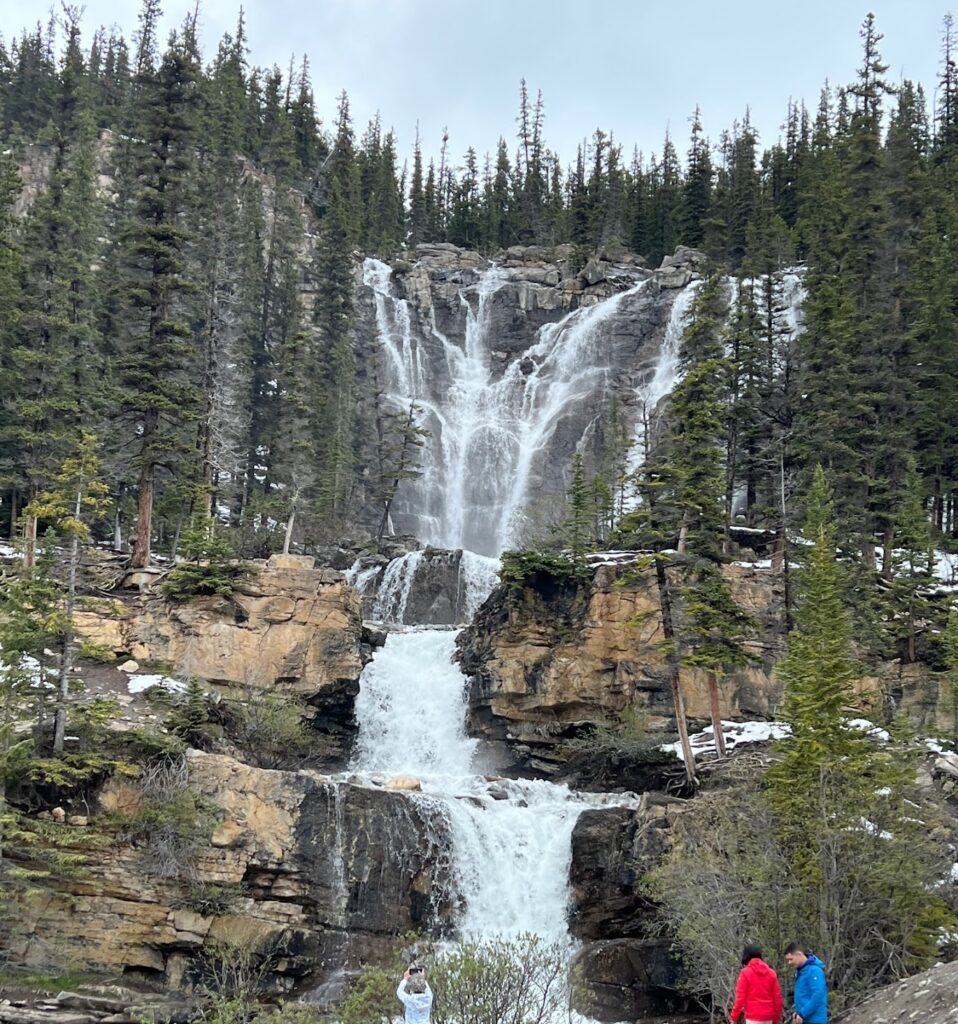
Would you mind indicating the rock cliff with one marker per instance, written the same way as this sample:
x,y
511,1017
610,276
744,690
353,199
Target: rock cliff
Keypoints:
x,y
307,861
548,659
289,627
514,364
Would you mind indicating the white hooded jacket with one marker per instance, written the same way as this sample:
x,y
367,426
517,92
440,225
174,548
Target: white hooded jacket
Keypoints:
x,y
418,1004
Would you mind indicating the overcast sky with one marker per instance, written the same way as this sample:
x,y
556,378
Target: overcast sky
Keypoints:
x,y
633,67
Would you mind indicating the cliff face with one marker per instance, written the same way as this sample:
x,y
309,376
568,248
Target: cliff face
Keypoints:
x,y
514,365
289,627
308,861
548,659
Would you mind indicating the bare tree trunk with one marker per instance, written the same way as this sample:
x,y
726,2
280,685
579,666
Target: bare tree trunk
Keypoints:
x,y
14,512
288,538
888,546
69,646
671,661
783,533
144,518
29,541
715,712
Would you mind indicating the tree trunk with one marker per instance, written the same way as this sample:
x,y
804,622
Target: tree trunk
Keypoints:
x,y
29,541
14,512
715,712
671,661
888,546
67,654
144,518
287,539
783,533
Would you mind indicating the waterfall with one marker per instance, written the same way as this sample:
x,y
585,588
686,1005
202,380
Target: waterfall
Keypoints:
x,y
663,378
511,840
411,708
393,592
487,427
478,575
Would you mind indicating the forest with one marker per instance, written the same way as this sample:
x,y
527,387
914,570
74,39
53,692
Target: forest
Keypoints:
x,y
178,278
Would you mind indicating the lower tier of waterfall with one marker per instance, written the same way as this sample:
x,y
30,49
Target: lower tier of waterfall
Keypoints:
x,y
511,840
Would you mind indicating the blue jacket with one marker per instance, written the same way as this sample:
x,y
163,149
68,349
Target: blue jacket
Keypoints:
x,y
811,1000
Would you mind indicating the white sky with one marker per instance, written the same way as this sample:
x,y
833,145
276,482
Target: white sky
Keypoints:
x,y
635,67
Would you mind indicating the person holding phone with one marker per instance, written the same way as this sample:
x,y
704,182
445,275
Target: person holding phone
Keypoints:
x,y
415,995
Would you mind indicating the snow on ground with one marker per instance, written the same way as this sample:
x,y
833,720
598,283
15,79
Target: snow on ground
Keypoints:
x,y
736,733
8,551
873,830
869,728
140,682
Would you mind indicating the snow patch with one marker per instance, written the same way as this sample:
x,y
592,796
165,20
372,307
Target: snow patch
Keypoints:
x,y
736,734
869,728
140,682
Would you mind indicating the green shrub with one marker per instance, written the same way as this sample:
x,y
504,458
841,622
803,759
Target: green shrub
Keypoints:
x,y
524,979
527,568
172,824
210,566
211,899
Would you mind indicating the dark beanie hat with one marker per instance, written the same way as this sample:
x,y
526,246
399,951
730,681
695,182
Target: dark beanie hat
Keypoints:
x,y
751,953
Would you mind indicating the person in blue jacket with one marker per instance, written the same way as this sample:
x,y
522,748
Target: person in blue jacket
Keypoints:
x,y
811,997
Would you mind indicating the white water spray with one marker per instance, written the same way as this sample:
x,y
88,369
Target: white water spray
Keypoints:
x,y
488,431
511,840
664,376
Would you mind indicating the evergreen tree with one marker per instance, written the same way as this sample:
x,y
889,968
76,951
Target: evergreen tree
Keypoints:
x,y
697,188
334,312
11,462
56,369
156,363
76,497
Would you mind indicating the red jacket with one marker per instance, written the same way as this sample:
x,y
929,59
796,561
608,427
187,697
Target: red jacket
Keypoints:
x,y
757,993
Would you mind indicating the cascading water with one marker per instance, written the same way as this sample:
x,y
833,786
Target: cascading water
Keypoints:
x,y
487,429
511,840
663,378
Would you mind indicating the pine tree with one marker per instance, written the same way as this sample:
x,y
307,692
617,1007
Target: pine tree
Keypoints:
x,y
336,436
911,571
56,369
156,365
76,497
12,467
819,672
697,188
578,530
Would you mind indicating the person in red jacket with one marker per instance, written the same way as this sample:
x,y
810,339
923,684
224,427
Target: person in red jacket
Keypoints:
x,y
757,994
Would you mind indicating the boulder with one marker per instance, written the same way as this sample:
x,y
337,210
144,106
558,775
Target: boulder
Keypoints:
x,y
403,782
626,979
612,848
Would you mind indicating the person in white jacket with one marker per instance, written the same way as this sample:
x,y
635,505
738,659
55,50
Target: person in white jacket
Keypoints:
x,y
416,995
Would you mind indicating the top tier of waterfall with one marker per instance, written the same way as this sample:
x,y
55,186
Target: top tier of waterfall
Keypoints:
x,y
502,423
488,428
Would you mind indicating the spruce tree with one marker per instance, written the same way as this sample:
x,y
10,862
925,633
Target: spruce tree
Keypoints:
x,y
56,370
336,436
156,361
12,468
818,671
